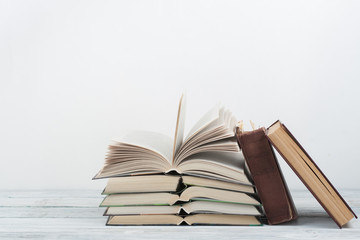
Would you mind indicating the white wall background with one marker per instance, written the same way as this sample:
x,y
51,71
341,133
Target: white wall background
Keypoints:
x,y
75,74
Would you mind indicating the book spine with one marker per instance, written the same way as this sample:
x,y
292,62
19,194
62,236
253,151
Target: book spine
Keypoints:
x,y
267,176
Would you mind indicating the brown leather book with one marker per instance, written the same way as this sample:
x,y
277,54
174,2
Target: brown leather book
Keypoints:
x,y
267,176
309,173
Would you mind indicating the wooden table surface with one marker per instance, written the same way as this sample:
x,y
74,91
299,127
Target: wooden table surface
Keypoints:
x,y
74,214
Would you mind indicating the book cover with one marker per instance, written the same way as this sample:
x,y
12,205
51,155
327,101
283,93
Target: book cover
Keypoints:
x,y
267,176
309,173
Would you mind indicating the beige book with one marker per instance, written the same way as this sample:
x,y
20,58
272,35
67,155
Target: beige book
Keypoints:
x,y
191,193
206,182
168,183
189,208
148,183
201,219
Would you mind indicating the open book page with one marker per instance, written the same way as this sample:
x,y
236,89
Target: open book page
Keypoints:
x,y
211,116
227,166
220,207
221,126
180,125
139,152
153,141
234,160
225,145
118,164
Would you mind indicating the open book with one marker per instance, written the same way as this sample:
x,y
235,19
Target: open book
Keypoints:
x,y
193,207
168,183
210,150
198,219
192,193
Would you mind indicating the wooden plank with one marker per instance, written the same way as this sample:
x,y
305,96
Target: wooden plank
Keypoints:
x,y
96,212
73,214
51,212
348,194
75,193
50,202
305,228
51,198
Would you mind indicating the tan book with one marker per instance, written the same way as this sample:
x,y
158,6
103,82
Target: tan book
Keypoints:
x,y
168,219
309,173
191,193
189,208
140,184
168,183
212,183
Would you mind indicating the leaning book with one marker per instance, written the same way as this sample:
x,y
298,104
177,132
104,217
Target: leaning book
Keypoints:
x,y
309,173
267,175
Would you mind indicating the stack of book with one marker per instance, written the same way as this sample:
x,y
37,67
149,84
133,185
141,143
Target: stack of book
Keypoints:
x,y
204,178
174,200
200,179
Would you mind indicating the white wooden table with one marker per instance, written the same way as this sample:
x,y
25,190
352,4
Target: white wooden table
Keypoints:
x,y
72,214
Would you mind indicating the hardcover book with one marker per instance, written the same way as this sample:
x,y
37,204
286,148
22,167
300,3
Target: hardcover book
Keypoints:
x,y
309,173
267,176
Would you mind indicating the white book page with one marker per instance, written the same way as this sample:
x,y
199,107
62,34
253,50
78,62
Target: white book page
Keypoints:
x,y
153,141
224,145
180,125
216,125
211,116
228,166
234,160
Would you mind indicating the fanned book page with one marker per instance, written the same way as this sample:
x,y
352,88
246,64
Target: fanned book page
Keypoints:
x,y
180,126
159,143
150,153
210,117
